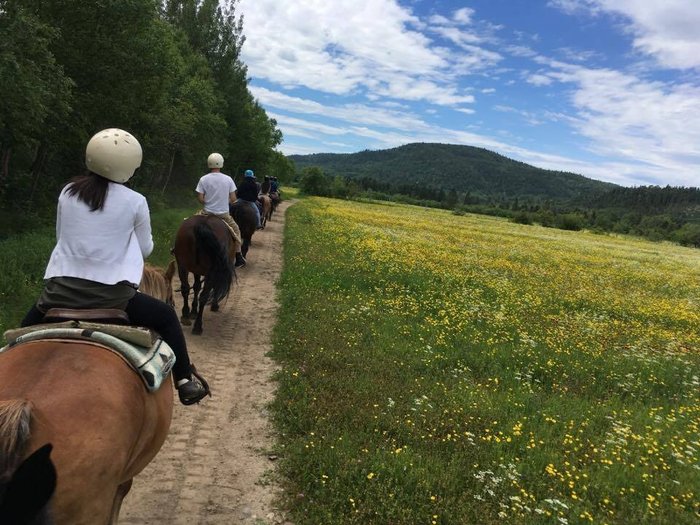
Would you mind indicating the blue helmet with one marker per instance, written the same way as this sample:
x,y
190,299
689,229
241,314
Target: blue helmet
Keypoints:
x,y
249,174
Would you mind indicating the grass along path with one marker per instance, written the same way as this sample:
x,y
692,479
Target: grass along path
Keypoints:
x,y
447,370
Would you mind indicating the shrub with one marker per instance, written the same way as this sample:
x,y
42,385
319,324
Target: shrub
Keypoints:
x,y
569,221
522,218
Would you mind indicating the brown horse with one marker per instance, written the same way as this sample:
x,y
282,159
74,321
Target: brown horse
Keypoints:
x,y
266,214
205,248
276,199
93,408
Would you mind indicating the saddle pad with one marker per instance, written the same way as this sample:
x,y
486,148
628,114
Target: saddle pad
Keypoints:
x,y
138,336
152,363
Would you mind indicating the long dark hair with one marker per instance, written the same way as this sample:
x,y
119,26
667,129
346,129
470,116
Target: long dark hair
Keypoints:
x,y
90,188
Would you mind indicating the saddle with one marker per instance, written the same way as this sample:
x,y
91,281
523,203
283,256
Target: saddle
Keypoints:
x,y
143,350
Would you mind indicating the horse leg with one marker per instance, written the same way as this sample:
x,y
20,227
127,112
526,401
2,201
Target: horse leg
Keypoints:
x,y
203,297
196,300
215,306
244,247
122,491
185,292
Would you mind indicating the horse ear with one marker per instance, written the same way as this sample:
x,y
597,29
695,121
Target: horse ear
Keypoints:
x,y
170,271
30,488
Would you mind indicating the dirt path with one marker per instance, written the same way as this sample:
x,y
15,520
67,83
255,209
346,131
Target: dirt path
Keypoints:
x,y
215,465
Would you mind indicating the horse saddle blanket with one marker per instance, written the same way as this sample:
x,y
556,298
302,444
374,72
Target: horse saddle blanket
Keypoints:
x,y
149,356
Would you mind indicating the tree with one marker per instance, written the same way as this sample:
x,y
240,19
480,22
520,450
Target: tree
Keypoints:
x,y
33,87
688,235
216,33
281,167
451,198
314,182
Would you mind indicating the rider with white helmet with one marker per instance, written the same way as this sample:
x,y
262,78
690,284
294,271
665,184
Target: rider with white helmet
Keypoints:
x,y
215,191
103,232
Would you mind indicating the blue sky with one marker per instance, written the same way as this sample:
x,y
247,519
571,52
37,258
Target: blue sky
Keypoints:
x,y
609,89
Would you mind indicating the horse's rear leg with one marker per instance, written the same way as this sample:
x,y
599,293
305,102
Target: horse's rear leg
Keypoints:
x,y
196,299
185,292
122,491
203,298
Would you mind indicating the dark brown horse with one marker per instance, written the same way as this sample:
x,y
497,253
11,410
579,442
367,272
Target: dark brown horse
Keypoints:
x,y
93,408
244,215
203,247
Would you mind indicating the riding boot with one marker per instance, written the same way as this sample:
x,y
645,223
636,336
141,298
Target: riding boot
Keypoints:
x,y
194,389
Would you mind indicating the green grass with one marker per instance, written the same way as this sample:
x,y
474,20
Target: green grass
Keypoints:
x,y
23,259
445,369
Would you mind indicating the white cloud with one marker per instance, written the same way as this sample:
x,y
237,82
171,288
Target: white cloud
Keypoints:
x,y
463,15
537,79
360,47
648,124
354,113
575,6
520,51
667,30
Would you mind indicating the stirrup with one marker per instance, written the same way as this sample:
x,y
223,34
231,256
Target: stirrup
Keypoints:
x,y
197,381
204,382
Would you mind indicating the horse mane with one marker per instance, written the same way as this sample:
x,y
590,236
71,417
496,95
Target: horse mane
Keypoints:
x,y
157,282
15,418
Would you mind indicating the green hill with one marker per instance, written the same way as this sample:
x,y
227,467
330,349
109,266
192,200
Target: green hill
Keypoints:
x,y
450,167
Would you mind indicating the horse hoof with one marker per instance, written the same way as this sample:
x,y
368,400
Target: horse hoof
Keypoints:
x,y
214,307
186,321
196,331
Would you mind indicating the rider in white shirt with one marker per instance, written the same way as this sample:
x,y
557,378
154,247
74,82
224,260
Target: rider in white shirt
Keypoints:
x,y
215,191
103,233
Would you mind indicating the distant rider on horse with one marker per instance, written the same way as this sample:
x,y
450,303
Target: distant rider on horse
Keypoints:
x,y
266,185
215,191
248,193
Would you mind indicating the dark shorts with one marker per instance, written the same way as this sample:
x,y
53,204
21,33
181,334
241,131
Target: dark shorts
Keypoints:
x,y
71,292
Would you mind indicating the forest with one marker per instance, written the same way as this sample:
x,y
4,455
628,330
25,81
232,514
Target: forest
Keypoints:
x,y
168,71
467,179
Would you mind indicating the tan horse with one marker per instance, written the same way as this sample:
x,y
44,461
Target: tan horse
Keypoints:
x,y
266,214
103,424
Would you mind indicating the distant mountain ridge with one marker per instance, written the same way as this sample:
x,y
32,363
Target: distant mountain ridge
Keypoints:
x,y
452,167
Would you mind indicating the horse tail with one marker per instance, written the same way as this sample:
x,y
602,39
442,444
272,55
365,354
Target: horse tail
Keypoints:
x,y
220,274
15,419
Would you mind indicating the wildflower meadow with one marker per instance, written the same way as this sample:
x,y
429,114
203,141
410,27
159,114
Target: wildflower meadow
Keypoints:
x,y
444,369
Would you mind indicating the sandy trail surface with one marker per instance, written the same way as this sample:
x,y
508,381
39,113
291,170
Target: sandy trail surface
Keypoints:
x,y
217,465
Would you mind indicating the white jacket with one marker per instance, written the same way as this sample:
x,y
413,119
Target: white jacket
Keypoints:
x,y
107,246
